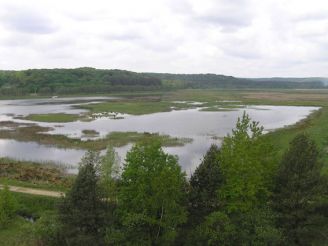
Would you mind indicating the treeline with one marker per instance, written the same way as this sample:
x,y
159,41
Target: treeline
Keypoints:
x,y
229,82
240,194
73,81
90,80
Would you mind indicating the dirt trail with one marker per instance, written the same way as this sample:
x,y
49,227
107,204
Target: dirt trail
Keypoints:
x,y
34,191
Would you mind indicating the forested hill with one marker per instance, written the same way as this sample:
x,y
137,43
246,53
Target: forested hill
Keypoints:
x,y
72,81
91,80
222,81
313,80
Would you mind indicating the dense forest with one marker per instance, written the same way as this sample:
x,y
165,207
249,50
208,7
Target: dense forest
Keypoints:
x,y
91,80
73,81
241,194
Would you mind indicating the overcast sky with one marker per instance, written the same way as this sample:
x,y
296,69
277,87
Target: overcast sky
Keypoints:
x,y
245,38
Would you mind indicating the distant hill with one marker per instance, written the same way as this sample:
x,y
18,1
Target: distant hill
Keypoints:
x,y
91,80
222,81
298,80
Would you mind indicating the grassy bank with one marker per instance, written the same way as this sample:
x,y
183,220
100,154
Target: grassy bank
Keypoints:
x,y
316,126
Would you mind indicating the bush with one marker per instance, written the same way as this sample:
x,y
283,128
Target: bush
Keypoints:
x,y
8,206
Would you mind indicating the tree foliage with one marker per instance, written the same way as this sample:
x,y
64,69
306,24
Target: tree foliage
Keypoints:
x,y
82,210
109,170
204,183
242,215
246,164
151,198
299,193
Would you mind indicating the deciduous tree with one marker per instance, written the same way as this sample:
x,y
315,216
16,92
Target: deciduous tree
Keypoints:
x,y
152,196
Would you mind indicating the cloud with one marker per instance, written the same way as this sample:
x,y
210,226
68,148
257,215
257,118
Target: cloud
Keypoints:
x,y
245,38
26,20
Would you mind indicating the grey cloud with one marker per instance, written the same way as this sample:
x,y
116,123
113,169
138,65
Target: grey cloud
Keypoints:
x,y
26,20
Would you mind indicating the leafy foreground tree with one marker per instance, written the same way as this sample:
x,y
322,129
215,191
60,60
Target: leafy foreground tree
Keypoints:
x,y
243,216
299,194
109,170
151,198
247,166
8,206
82,211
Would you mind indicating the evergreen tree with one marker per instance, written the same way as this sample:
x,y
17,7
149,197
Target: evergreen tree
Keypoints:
x,y
299,193
204,184
81,212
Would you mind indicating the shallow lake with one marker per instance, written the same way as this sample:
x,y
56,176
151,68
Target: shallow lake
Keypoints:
x,y
203,127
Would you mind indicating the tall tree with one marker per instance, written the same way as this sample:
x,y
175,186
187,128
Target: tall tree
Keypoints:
x,y
299,193
109,171
152,196
242,216
247,165
204,183
81,212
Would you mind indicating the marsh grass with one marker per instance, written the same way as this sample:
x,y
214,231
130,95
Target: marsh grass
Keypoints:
x,y
57,118
90,133
38,134
34,175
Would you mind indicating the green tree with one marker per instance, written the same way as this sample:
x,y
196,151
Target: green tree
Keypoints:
x,y
8,206
243,216
204,183
299,193
81,212
246,162
152,196
109,170
217,229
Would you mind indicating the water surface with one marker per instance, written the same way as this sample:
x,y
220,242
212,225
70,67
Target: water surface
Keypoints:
x,y
203,127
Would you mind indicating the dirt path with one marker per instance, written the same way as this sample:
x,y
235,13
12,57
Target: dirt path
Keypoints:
x,y
34,191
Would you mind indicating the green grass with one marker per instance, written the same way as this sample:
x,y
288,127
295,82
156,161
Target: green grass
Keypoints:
x,y
315,126
33,205
20,232
59,118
